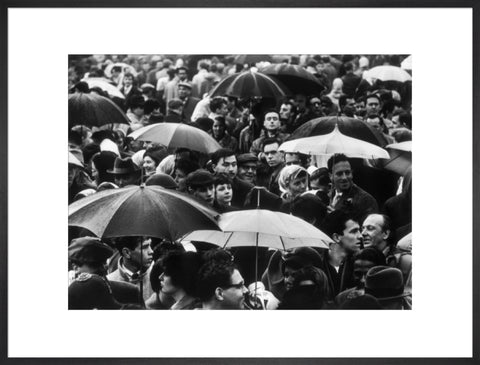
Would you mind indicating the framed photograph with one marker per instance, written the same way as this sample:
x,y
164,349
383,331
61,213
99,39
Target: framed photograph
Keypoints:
x,y
37,324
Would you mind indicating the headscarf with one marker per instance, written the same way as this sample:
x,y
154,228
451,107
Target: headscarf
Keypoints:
x,y
288,174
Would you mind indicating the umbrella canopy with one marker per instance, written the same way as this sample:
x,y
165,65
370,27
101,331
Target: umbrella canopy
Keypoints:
x,y
74,160
93,110
400,157
295,78
252,58
125,68
105,85
175,135
263,227
350,127
387,73
407,63
141,211
334,142
249,84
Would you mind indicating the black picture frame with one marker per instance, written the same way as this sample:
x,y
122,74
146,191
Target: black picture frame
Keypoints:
x,y
5,5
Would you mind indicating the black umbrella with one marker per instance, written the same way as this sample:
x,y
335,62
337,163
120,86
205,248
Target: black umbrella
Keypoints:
x,y
93,110
250,84
349,126
295,78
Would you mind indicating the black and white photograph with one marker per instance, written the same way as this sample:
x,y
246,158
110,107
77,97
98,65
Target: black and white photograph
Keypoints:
x,y
240,181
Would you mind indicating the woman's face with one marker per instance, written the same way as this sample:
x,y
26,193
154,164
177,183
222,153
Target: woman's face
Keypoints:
x,y
223,194
95,175
297,186
166,284
218,129
149,165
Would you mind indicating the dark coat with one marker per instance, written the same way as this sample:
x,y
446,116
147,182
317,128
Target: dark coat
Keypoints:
x,y
126,293
188,108
357,202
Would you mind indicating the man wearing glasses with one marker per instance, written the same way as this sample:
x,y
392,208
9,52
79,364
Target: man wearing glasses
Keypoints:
x,y
221,286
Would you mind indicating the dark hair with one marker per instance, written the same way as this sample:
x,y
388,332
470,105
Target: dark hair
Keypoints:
x,y
221,153
369,96
104,161
270,140
186,166
204,123
177,70
151,105
136,101
156,153
308,207
129,74
371,254
335,222
183,267
222,179
213,274
117,69
130,242
217,103
75,137
338,157
348,66
221,120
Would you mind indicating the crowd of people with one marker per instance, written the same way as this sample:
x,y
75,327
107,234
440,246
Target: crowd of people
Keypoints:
x,y
365,209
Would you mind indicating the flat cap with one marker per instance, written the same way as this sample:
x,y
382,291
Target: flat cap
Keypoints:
x,y
89,249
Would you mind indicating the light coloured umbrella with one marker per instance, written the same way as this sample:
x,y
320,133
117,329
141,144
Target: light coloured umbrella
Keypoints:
x,y
400,157
103,84
407,63
334,142
176,135
386,73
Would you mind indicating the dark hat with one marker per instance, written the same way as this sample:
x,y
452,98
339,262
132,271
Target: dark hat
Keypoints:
x,y
199,178
104,160
246,157
384,283
89,249
124,166
90,291
175,104
163,180
185,84
303,256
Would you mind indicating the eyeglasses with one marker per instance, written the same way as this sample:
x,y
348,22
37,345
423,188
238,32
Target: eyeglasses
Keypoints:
x,y
236,286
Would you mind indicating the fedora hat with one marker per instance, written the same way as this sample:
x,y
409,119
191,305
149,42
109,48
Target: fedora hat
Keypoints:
x,y
124,166
385,283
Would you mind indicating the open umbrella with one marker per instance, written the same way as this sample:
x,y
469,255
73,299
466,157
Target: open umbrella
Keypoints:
x,y
93,110
105,85
407,63
249,84
387,73
175,135
141,211
252,58
400,157
334,142
295,78
348,126
125,68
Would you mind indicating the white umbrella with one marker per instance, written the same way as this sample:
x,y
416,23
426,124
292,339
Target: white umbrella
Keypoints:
x,y
175,135
334,142
400,157
103,84
407,63
386,73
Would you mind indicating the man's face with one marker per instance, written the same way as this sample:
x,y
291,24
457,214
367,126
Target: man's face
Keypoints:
x,y
342,176
300,102
271,122
247,171
272,155
285,111
292,159
227,166
218,129
223,194
375,123
124,180
372,231
351,238
234,295
142,257
396,122
372,105
182,75
289,277
316,105
360,269
205,193
183,92
127,81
